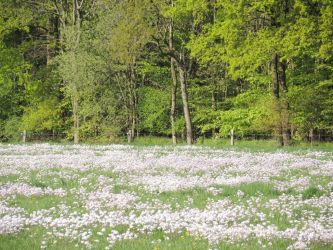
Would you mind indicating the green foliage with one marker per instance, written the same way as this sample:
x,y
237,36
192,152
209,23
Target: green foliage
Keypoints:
x,y
44,116
113,60
11,129
151,140
250,112
326,34
154,110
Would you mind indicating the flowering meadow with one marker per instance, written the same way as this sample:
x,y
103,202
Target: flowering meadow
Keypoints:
x,y
126,197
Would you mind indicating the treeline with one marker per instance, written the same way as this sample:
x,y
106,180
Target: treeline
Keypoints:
x,y
99,69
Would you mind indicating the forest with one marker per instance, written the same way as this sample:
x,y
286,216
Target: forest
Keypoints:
x,y
99,70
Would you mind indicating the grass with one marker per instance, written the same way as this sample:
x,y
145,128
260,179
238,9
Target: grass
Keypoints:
x,y
312,192
8,178
269,145
199,197
159,241
243,144
35,202
251,189
28,238
179,199
32,238
265,145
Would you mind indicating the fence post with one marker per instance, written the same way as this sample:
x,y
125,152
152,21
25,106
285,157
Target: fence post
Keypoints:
x,y
129,136
24,136
311,135
232,142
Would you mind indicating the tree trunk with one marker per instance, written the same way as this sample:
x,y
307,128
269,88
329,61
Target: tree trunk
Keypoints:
x,y
133,98
76,119
173,87
133,126
173,102
187,115
214,107
232,141
24,136
311,135
76,116
48,41
286,133
276,94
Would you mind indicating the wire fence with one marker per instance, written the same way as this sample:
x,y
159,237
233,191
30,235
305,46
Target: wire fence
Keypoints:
x,y
43,137
63,136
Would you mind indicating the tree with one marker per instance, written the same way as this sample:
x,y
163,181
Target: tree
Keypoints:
x,y
96,69
250,35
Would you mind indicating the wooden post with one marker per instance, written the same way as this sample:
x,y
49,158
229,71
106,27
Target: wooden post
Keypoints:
x,y
232,142
311,136
129,136
24,136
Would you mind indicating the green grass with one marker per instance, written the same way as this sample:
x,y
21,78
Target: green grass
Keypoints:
x,y
199,197
242,144
34,203
251,189
280,220
8,178
312,192
265,145
270,145
160,241
32,238
26,239
154,140
180,198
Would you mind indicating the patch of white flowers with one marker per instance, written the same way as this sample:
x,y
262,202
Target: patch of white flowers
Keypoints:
x,y
27,190
110,182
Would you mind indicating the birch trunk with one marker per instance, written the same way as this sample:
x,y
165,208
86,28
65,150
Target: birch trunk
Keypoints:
x,y
75,98
76,119
173,102
173,87
187,115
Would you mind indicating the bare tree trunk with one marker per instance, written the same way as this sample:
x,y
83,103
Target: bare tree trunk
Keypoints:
x,y
276,94
311,135
173,102
279,82
137,126
232,140
75,98
132,100
133,126
173,88
286,133
24,136
214,107
48,41
187,115
76,119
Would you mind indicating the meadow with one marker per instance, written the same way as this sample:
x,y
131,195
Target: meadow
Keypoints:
x,y
55,196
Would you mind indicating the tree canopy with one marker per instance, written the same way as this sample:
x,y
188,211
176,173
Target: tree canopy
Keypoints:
x,y
101,69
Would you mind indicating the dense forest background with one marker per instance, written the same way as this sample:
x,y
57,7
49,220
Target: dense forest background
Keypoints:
x,y
101,69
